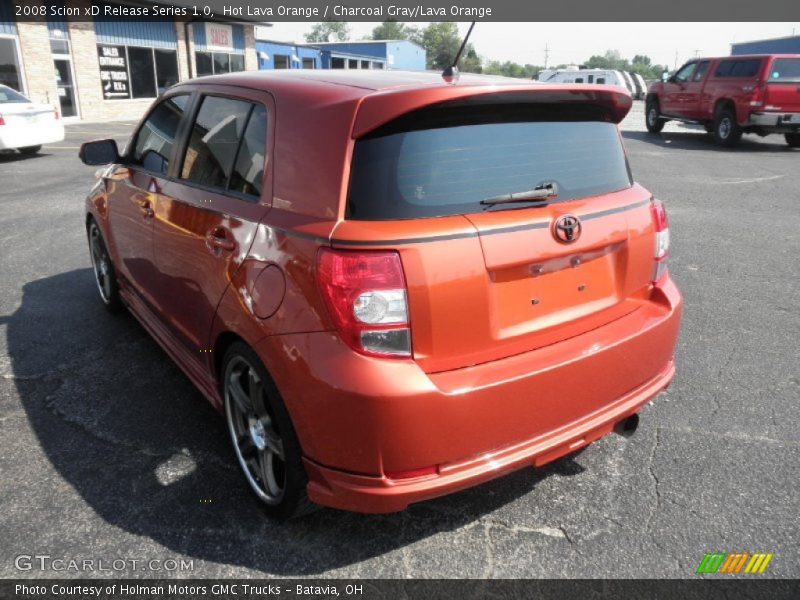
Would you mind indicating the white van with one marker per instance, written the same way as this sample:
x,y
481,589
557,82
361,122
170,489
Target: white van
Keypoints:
x,y
589,76
641,86
629,83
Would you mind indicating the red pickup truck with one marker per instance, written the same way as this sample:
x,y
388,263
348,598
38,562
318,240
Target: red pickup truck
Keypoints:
x,y
731,95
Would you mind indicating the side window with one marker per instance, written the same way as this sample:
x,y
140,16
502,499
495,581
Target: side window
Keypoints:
x,y
214,140
155,138
724,68
746,68
682,76
227,146
249,169
702,67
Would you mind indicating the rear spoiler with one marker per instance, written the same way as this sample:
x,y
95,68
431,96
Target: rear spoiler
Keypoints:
x,y
380,108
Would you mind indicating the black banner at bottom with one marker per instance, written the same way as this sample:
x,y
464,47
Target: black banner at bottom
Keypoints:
x,y
369,589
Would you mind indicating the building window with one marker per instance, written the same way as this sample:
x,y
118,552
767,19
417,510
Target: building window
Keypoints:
x,y
377,65
281,61
352,63
337,63
214,63
309,63
136,72
9,64
365,64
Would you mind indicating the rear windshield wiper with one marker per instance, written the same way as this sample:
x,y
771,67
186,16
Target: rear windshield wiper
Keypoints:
x,y
540,192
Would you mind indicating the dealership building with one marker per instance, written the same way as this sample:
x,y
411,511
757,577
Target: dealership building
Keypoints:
x,y
783,45
107,67
112,67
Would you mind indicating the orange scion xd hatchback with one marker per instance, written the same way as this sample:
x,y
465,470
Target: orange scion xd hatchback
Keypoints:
x,y
393,287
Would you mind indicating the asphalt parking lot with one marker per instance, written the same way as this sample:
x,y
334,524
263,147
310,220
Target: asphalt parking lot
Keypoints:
x,y
107,451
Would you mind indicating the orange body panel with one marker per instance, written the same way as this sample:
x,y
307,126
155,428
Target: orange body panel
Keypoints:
x,y
524,349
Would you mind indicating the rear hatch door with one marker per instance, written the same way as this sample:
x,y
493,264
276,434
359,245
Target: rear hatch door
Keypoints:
x,y
487,281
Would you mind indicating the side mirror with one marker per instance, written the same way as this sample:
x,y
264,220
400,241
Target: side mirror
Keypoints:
x,y
99,152
665,76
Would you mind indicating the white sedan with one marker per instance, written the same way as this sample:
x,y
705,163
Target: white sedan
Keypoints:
x,y
25,125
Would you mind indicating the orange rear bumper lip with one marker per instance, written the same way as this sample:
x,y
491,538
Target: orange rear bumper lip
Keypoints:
x,y
361,493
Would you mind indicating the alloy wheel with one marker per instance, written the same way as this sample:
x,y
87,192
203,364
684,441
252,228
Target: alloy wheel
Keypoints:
x,y
101,264
256,439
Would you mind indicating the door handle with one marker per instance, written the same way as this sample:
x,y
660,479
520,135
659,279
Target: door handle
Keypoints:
x,y
217,238
147,209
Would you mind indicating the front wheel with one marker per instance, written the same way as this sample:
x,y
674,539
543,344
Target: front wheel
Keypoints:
x,y
653,118
104,275
727,132
262,434
30,150
793,139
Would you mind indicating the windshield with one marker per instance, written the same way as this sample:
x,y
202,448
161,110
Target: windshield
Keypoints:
x,y
449,170
9,95
785,69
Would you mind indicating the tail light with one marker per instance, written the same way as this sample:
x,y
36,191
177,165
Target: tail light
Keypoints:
x,y
56,113
365,293
757,94
2,120
661,228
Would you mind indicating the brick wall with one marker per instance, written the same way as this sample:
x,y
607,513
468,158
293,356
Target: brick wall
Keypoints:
x,y
37,60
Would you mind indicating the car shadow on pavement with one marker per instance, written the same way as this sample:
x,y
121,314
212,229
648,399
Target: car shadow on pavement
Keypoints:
x,y
11,157
698,140
143,449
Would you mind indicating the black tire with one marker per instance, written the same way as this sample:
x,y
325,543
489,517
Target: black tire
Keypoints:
x,y
103,269
264,440
30,150
652,117
727,132
793,139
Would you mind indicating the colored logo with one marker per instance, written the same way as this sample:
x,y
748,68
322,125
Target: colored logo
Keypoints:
x,y
734,563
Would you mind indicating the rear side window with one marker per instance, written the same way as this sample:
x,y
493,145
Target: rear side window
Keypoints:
x,y
700,72
449,170
226,148
785,69
738,68
156,137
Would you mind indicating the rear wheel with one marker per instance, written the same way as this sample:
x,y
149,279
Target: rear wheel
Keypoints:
x,y
104,274
29,150
653,118
793,139
727,132
262,434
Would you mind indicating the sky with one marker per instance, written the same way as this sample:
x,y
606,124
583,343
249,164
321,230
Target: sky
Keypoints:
x,y
573,43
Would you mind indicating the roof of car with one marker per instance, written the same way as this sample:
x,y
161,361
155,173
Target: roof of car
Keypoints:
x,y
367,80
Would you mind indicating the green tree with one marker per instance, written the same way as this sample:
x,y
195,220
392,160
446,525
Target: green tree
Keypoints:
x,y
321,32
394,30
441,42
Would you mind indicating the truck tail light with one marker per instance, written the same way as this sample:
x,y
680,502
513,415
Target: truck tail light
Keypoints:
x,y
2,120
661,228
757,94
366,295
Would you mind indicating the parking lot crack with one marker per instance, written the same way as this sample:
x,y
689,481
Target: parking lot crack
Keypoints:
x,y
654,480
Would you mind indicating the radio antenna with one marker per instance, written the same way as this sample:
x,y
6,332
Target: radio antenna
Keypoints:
x,y
450,73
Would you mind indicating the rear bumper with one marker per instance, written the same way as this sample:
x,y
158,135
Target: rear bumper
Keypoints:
x,y
783,122
19,136
359,418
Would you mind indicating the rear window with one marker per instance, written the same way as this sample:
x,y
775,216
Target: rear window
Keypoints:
x,y
9,95
438,171
785,69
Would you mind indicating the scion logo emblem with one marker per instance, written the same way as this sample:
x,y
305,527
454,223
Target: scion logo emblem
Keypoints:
x,y
567,229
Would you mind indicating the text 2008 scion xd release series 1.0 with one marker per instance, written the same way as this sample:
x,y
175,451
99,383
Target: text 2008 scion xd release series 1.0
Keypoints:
x,y
465,280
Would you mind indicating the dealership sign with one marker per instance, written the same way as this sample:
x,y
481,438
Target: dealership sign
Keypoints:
x,y
219,37
113,72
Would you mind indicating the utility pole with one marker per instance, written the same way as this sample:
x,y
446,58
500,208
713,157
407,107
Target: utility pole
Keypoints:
x,y
546,53
696,53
